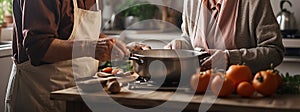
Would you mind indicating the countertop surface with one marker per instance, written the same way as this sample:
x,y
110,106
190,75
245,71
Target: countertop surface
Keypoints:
x,y
291,43
256,103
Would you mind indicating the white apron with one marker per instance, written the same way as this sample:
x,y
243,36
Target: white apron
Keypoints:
x,y
29,86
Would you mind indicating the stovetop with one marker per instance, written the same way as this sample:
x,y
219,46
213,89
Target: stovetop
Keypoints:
x,y
143,84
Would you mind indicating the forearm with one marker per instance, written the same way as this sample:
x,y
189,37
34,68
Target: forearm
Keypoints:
x,y
258,58
61,50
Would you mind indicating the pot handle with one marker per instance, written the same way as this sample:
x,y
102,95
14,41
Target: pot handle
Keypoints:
x,y
137,59
202,60
203,57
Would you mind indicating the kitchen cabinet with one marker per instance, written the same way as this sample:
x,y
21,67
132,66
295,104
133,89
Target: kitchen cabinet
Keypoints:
x,y
5,69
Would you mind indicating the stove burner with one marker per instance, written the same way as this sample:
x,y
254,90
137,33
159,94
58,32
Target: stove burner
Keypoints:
x,y
141,79
142,84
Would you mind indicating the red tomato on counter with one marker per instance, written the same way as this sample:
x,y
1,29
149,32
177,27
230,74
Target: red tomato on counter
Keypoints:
x,y
222,86
107,70
199,81
265,83
238,74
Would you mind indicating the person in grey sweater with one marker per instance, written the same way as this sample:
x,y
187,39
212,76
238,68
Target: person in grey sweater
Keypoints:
x,y
233,32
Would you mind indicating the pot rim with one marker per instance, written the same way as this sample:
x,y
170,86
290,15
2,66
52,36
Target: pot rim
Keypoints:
x,y
178,57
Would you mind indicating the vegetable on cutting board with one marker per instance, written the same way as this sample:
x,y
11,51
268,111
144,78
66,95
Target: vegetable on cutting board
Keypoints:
x,y
107,70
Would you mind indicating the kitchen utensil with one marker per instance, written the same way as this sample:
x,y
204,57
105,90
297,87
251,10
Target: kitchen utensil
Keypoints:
x,y
159,64
286,20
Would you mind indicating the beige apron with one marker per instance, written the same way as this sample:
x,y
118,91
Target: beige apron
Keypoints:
x,y
30,86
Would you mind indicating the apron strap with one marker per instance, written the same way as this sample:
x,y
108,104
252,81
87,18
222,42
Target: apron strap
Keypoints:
x,y
75,4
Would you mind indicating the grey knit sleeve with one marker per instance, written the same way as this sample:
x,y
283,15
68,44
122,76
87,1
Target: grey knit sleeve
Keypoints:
x,y
265,36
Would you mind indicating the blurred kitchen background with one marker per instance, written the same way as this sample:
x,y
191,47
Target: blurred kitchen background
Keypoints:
x,y
155,24
121,14
111,8
294,9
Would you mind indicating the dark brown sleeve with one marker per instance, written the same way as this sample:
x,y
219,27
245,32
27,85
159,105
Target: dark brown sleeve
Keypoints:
x,y
40,25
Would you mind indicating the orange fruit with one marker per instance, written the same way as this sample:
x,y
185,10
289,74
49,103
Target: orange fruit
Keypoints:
x,y
278,77
239,73
222,86
265,83
245,89
200,81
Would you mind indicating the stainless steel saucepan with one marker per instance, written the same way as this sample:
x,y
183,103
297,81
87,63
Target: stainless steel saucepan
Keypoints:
x,y
167,65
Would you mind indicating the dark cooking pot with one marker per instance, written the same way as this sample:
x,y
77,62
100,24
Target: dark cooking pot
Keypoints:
x,y
167,66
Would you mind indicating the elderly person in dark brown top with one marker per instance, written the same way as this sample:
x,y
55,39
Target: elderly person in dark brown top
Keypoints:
x,y
54,42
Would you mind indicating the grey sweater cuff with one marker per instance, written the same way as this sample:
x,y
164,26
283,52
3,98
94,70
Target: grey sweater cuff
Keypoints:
x,y
234,57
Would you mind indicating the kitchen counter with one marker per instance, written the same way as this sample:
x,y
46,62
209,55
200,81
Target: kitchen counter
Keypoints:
x,y
147,99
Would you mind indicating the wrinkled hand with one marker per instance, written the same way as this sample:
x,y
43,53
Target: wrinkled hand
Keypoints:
x,y
218,59
110,49
119,50
135,46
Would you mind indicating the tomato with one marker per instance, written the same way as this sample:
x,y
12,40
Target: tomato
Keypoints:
x,y
222,86
239,73
245,89
278,77
265,83
199,81
107,70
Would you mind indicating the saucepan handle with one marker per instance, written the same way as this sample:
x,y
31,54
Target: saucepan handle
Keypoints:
x,y
203,57
203,60
136,59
